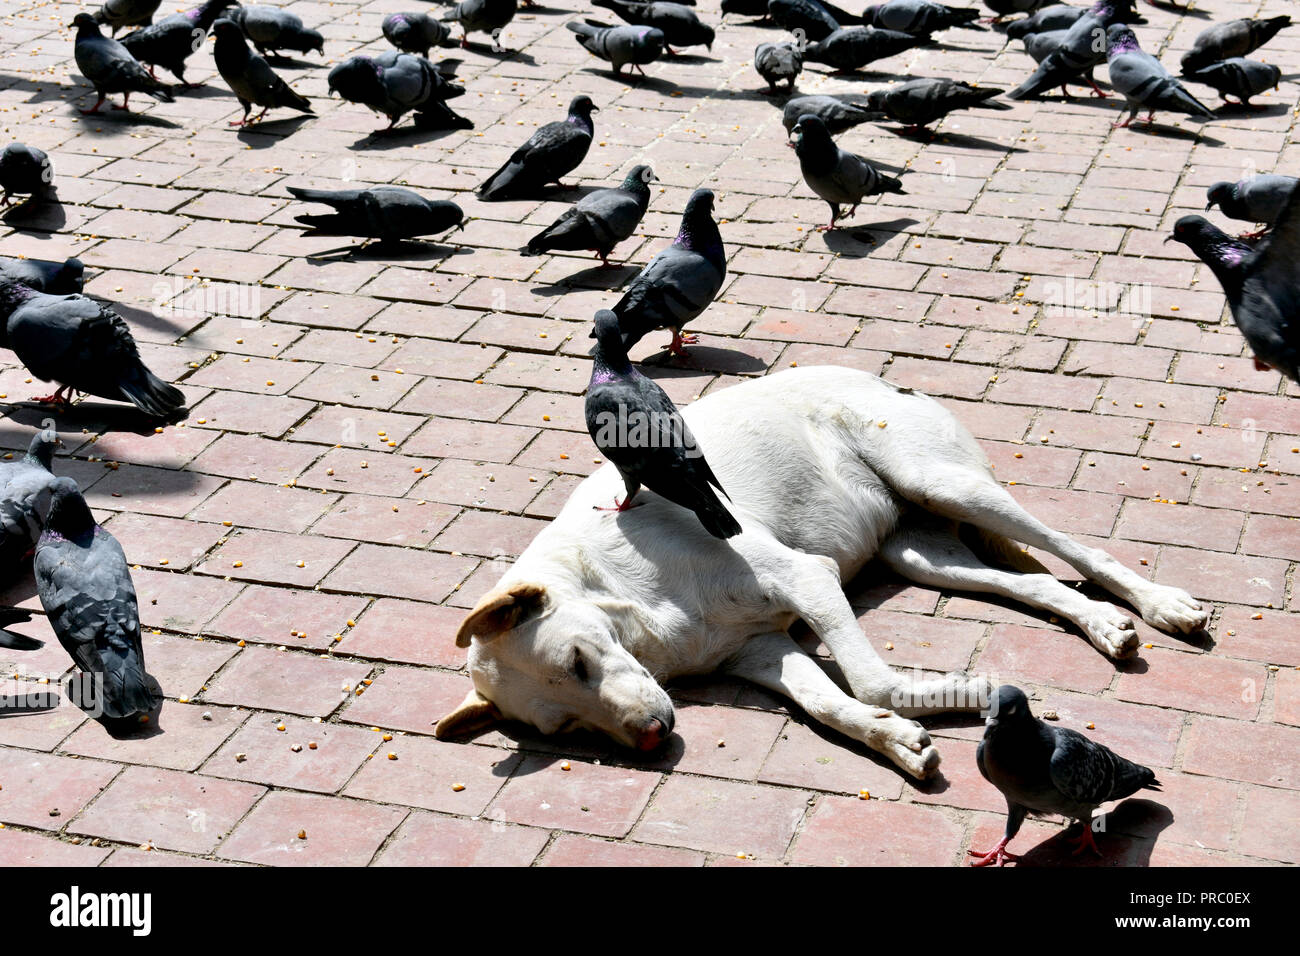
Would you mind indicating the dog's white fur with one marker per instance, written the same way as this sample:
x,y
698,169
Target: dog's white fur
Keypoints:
x,y
826,468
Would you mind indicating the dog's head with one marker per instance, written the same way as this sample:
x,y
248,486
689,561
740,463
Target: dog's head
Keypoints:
x,y
558,666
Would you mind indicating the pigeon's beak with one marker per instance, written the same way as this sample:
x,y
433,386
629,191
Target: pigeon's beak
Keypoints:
x,y
1169,239
1209,205
591,334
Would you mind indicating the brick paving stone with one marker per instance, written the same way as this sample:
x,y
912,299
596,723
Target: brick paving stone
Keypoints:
x,y
19,849
409,632
282,616
427,839
45,791
1240,751
338,832
170,810
721,816
326,757
822,760
587,798
571,850
1063,660
423,772
844,831
268,679
181,739
1195,682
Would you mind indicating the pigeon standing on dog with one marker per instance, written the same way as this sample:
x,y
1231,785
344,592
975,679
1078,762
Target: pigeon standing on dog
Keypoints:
x,y
118,14
108,65
250,77
638,429
918,102
82,345
85,587
414,32
1145,83
169,42
548,156
1234,38
1045,769
621,46
777,62
395,83
1260,283
271,29
838,177
1258,199
26,486
25,170
679,283
387,213
679,24
599,221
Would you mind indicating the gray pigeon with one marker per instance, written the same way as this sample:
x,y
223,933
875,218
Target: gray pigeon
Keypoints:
x,y
56,278
1258,199
922,101
84,346
1004,8
1044,769
1234,38
744,8
1238,77
272,29
1145,83
599,221
108,65
250,77
679,24
482,16
26,170
918,17
395,83
807,19
550,154
836,113
1062,16
638,429
414,32
679,283
839,177
620,45
85,586
386,213
118,14
851,48
1260,283
775,62
170,42
1066,56
26,486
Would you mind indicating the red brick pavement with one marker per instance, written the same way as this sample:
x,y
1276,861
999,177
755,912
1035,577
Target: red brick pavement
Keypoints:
x,y
373,439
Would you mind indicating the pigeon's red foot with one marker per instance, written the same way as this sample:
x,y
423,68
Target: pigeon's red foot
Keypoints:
x,y
998,856
1097,91
93,109
1123,125
1257,234
58,398
1084,841
623,505
679,342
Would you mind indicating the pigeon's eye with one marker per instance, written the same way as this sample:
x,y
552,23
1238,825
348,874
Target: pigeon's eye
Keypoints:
x,y
579,666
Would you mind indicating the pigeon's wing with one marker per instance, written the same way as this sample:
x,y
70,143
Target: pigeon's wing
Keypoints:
x,y
265,87
675,287
49,334
409,82
979,761
1269,310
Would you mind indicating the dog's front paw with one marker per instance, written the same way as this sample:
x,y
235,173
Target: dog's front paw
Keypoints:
x,y
1111,631
1173,610
908,744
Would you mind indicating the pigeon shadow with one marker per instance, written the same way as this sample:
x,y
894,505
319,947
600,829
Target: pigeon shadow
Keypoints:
x,y
100,417
1185,11
28,703
858,242
147,318
201,91
400,136
687,58
593,277
267,133
290,62
129,728
37,215
1125,836
1260,110
405,250
952,138
1175,132
502,53
706,358
118,118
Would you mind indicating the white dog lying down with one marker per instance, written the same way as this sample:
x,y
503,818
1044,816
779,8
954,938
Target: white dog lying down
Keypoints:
x,y
826,468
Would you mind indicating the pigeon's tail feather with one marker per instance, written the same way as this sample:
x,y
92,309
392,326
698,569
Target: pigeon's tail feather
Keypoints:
x,y
1130,777
151,394
843,17
295,100
889,184
1040,81
1153,785
129,689
715,517
326,196
161,93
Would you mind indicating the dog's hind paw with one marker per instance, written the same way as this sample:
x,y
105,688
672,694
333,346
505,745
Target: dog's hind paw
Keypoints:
x,y
1173,610
1111,631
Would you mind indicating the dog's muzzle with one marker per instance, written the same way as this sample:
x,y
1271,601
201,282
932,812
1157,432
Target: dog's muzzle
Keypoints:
x,y
654,733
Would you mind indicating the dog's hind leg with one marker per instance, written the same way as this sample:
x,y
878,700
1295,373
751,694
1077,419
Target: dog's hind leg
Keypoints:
x,y
775,661
810,587
976,498
935,556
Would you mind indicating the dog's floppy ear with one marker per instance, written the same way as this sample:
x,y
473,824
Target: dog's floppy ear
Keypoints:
x,y
498,611
474,712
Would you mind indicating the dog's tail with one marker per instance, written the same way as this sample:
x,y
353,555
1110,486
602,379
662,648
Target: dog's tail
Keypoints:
x,y
999,549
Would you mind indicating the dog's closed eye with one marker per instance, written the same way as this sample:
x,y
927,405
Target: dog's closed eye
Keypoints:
x,y
579,666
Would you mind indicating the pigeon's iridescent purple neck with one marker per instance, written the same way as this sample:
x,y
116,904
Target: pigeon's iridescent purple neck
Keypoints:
x,y
699,233
13,294
584,122
1125,42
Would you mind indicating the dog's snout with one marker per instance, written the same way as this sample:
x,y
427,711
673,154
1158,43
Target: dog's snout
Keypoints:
x,y
652,735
